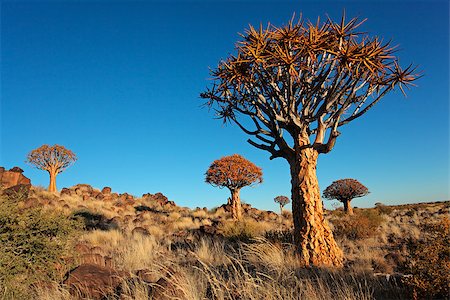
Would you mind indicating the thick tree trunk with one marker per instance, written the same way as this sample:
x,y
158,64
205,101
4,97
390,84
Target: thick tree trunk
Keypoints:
x,y
236,210
313,237
52,185
347,207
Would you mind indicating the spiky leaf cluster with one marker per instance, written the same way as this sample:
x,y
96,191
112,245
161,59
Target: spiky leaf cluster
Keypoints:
x,y
303,78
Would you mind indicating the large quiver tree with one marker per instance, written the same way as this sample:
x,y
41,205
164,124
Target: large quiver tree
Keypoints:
x,y
345,190
304,80
233,172
53,159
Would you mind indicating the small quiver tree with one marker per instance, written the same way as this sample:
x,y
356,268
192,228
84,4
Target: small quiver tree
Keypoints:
x,y
291,88
282,200
233,172
345,190
53,159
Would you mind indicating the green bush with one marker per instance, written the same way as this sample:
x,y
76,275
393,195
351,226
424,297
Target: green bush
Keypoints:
x,y
428,261
33,242
363,224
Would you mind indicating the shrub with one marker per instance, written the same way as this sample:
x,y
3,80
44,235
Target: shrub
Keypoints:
x,y
363,224
383,209
243,230
33,243
428,261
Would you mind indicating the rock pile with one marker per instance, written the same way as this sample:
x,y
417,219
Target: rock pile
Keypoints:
x,y
13,177
158,198
13,181
87,192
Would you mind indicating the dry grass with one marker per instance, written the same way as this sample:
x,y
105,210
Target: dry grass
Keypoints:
x,y
242,264
129,252
211,252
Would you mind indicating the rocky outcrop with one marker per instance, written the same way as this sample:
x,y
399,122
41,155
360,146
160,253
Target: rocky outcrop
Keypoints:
x,y
94,281
158,198
13,177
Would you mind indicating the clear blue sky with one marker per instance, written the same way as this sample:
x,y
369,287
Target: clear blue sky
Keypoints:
x,y
118,83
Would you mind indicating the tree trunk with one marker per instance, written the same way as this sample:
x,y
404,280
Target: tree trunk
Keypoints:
x,y
236,210
281,209
347,207
52,185
312,236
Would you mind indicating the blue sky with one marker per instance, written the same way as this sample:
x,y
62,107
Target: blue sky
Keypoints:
x,y
118,83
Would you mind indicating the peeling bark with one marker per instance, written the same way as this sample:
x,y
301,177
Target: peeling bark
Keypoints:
x,y
236,210
313,237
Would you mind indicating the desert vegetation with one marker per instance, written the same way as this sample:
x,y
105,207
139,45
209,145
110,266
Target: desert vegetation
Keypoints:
x,y
233,172
282,201
345,190
90,246
53,159
290,88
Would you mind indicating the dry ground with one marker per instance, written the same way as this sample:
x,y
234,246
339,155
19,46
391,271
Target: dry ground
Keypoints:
x,y
203,254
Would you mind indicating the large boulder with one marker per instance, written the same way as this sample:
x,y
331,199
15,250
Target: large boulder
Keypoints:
x,y
106,190
94,281
166,287
13,177
82,189
158,198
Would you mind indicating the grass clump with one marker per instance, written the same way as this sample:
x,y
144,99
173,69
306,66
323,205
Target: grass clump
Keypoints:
x,y
383,209
428,261
243,230
363,224
33,242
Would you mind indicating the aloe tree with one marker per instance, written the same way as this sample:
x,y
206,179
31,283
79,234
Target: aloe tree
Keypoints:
x,y
53,159
291,88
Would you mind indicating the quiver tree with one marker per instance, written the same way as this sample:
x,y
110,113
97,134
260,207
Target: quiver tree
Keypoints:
x,y
304,81
282,201
233,172
53,159
345,190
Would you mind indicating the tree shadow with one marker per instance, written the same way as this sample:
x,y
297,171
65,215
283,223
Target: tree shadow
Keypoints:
x,y
93,221
141,208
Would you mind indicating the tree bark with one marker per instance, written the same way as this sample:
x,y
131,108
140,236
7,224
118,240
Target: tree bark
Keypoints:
x,y
236,210
347,207
281,209
312,236
52,185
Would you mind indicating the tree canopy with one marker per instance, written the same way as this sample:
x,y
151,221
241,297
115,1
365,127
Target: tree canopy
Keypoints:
x,y
48,158
345,190
233,172
282,200
304,76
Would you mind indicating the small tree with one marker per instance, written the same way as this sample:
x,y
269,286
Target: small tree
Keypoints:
x,y
282,200
53,159
345,190
233,172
